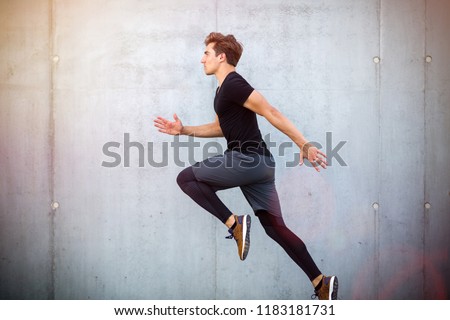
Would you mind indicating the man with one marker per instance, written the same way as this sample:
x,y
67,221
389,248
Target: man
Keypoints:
x,y
247,162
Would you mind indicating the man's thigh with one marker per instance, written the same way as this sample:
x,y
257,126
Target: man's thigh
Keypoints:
x,y
233,169
263,196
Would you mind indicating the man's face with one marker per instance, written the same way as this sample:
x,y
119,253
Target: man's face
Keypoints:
x,y
210,61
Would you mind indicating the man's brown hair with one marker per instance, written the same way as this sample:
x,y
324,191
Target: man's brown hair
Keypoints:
x,y
226,44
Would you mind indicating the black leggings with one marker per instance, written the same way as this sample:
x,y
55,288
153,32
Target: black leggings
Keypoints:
x,y
205,196
293,245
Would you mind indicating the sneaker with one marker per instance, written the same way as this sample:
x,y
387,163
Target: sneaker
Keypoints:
x,y
241,233
328,290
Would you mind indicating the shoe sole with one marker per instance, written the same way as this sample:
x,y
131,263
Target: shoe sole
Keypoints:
x,y
335,285
246,232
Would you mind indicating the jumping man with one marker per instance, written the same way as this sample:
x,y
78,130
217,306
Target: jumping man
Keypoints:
x,y
247,162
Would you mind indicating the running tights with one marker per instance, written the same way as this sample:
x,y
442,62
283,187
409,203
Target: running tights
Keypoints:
x,y
293,245
203,194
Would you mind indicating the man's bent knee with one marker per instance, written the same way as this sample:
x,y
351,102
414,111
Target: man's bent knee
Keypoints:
x,y
185,176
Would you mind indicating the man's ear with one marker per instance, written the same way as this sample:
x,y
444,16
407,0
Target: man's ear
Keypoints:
x,y
223,57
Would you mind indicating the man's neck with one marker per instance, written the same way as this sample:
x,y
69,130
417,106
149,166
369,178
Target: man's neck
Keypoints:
x,y
222,73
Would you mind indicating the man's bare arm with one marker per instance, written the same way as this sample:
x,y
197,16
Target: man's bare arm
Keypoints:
x,y
257,103
209,130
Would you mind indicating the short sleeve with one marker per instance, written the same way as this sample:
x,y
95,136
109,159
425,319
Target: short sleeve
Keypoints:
x,y
237,89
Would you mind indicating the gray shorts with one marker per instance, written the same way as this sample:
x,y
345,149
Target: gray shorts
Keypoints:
x,y
253,173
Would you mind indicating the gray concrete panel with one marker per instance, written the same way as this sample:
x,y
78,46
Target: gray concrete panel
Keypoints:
x,y
81,82
401,212
25,134
122,230
311,66
437,154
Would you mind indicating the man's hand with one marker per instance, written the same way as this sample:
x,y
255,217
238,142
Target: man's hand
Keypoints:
x,y
314,156
169,127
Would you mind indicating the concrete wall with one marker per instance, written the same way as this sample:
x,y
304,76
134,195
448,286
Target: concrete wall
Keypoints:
x,y
76,75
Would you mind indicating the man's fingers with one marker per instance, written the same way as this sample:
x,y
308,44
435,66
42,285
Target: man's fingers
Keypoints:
x,y
321,153
164,125
163,119
161,126
160,120
317,163
322,162
315,157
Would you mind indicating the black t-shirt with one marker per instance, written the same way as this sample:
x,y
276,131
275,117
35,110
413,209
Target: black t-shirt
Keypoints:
x,y
238,123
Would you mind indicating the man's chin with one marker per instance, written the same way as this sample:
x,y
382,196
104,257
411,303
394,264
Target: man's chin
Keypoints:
x,y
207,72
